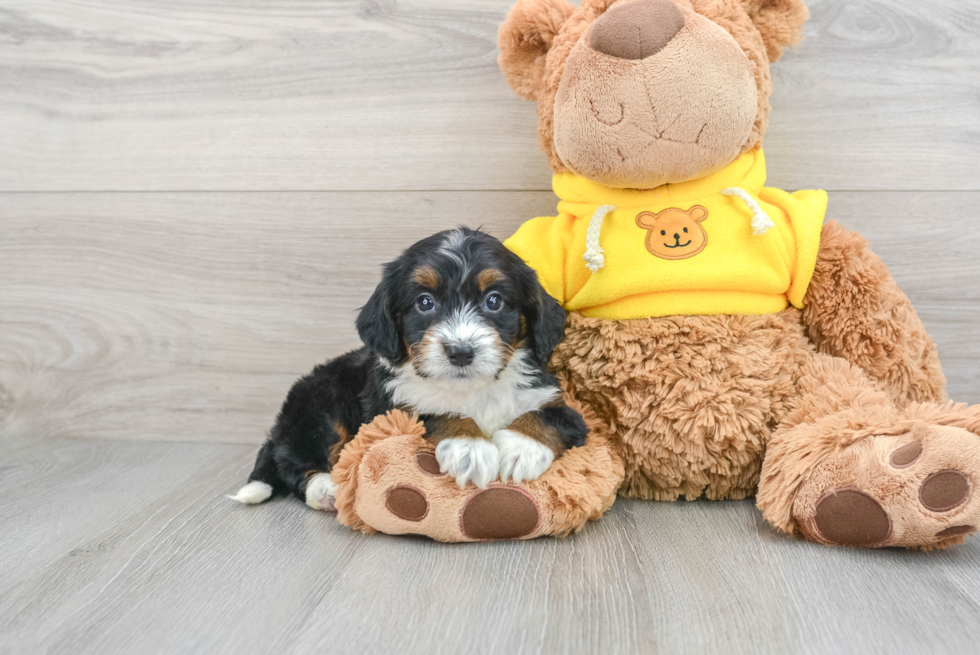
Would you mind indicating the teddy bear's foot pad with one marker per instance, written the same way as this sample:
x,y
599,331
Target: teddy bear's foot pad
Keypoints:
x,y
914,490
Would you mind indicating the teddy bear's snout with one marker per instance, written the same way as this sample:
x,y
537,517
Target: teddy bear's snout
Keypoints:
x,y
636,30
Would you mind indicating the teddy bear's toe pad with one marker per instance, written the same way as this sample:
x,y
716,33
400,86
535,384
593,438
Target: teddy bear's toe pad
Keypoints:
x,y
912,490
428,463
907,455
407,503
944,490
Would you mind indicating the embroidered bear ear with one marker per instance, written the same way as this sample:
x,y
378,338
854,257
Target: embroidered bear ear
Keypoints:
x,y
780,22
524,39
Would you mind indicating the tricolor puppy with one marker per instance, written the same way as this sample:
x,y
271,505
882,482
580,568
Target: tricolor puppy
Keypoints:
x,y
459,331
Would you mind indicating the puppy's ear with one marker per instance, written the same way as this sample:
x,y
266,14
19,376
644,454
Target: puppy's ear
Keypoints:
x,y
780,22
377,324
524,39
546,323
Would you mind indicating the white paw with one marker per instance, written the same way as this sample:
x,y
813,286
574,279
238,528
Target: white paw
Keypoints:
x,y
252,493
521,458
468,460
320,492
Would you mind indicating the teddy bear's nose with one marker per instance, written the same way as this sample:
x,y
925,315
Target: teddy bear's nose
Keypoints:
x,y
636,30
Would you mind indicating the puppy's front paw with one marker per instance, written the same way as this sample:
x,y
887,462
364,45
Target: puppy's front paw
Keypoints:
x,y
468,460
521,458
320,492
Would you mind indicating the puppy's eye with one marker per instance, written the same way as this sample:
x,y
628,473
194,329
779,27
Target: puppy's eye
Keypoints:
x,y
663,232
493,302
685,230
425,303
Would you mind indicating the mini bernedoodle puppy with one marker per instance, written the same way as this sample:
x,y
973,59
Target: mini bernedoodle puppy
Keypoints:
x,y
459,331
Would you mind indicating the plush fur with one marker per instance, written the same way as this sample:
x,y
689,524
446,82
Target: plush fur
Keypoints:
x,y
457,332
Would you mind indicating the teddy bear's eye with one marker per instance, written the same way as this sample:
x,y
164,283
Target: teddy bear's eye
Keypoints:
x,y
663,232
685,230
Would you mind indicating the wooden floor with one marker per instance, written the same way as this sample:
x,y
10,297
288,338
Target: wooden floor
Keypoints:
x,y
196,196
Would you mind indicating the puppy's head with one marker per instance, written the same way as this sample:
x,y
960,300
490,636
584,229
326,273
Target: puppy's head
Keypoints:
x,y
457,306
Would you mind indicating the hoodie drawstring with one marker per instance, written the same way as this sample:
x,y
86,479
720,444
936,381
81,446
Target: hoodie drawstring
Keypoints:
x,y
593,251
760,219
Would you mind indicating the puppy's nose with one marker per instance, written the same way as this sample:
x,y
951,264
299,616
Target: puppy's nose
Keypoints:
x,y
636,30
460,355
677,236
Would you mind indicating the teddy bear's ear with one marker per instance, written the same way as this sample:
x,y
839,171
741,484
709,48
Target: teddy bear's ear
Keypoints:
x,y
779,21
525,38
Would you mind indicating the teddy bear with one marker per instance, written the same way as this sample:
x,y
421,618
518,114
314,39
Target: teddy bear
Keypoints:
x,y
724,339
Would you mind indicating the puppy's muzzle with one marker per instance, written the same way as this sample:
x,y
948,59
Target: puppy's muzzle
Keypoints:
x,y
459,354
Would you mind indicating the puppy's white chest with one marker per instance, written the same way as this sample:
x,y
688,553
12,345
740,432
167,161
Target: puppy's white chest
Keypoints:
x,y
493,406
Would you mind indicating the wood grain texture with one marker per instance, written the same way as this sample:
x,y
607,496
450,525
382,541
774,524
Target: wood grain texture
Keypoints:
x,y
378,94
116,547
187,316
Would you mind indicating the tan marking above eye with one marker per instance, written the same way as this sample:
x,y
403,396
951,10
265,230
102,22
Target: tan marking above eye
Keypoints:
x,y
426,276
488,277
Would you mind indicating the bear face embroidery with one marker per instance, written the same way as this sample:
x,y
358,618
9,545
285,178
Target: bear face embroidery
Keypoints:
x,y
675,233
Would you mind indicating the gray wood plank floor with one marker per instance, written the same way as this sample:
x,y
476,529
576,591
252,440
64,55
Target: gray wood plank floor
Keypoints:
x,y
128,547
196,196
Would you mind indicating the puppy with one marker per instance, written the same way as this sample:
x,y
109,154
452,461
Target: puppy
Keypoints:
x,y
459,331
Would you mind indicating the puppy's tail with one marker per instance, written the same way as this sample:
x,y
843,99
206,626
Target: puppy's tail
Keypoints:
x,y
263,481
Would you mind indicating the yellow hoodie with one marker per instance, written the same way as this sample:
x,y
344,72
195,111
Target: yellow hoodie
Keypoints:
x,y
721,244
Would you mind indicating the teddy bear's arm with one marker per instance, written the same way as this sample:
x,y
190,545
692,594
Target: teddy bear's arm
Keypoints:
x,y
854,309
548,261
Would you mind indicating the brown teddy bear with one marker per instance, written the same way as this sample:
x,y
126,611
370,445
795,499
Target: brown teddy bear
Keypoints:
x,y
723,341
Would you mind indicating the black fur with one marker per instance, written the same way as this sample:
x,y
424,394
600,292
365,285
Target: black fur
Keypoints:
x,y
569,424
349,390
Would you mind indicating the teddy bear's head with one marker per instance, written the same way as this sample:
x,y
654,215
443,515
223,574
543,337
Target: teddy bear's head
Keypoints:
x,y
639,93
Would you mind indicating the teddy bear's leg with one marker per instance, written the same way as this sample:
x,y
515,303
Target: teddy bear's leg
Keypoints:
x,y
847,467
855,310
390,481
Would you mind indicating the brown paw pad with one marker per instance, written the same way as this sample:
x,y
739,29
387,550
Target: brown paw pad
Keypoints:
x,y
850,517
428,463
944,490
956,530
907,455
407,503
499,513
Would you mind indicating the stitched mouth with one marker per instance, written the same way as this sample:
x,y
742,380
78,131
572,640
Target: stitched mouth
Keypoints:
x,y
612,123
655,135
678,244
